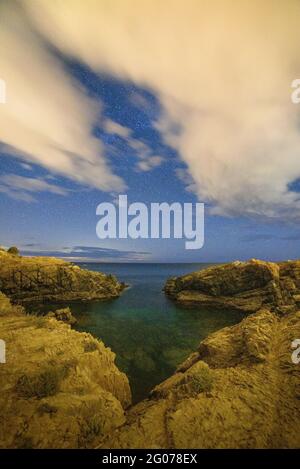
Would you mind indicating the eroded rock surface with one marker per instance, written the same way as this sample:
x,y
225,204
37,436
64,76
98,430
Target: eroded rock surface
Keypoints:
x,y
65,315
59,388
240,389
28,279
243,286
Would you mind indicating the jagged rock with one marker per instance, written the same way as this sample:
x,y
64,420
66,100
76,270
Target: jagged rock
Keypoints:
x,y
64,315
59,388
239,390
243,286
28,279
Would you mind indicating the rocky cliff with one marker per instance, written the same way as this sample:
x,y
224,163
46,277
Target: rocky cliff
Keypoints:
x,y
59,388
243,286
240,389
28,279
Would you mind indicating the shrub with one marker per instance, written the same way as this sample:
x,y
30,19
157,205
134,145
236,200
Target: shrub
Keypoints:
x,y
64,315
46,408
202,379
90,429
90,346
43,384
14,251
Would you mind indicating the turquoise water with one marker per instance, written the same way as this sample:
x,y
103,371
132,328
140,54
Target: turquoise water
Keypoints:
x,y
149,333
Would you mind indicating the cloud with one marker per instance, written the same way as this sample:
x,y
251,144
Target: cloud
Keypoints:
x,y
112,127
268,237
292,237
26,166
85,253
22,188
222,71
141,102
47,119
148,161
187,179
257,237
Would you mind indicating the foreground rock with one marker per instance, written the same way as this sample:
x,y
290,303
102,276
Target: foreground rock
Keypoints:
x,y
59,388
65,315
240,389
28,279
242,286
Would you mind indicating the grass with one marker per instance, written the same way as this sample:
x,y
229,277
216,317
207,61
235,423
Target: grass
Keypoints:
x,y
90,346
43,384
201,380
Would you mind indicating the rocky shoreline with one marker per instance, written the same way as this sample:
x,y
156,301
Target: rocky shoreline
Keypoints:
x,y
59,388
242,286
46,280
239,389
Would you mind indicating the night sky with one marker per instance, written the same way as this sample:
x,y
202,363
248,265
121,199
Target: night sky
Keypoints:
x,y
48,209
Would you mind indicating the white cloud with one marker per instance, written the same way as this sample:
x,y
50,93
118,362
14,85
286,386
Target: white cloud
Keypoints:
x,y
22,188
187,180
147,161
26,166
47,118
112,127
140,102
222,71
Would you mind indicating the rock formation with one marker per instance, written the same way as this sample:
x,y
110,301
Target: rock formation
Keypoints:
x,y
64,315
59,388
28,279
243,286
240,389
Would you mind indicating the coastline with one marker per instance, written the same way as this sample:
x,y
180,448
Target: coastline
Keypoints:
x,y
215,391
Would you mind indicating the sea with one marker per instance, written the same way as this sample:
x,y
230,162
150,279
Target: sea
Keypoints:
x,y
149,333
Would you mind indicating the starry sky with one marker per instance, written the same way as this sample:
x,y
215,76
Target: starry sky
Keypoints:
x,y
90,116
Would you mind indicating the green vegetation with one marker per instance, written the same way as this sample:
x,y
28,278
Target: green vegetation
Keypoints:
x,y
46,408
90,346
202,379
14,251
43,384
91,428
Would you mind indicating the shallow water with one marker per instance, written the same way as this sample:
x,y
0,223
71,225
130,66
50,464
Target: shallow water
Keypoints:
x,y
150,335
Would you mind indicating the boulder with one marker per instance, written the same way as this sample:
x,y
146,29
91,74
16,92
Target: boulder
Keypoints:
x,y
64,315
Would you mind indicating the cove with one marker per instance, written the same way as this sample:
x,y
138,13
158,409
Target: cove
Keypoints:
x,y
149,333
